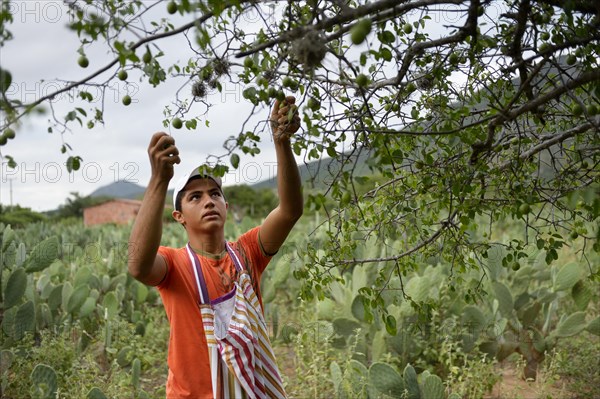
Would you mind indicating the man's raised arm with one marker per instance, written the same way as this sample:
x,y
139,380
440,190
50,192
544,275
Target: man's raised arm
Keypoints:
x,y
143,262
276,227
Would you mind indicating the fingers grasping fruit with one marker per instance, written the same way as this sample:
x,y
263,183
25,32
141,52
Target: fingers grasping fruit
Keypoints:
x,y
285,119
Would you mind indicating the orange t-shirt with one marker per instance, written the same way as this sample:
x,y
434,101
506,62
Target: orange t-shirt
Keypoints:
x,y
189,369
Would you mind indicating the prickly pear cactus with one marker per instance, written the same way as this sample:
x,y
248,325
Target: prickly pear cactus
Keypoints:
x,y
15,288
136,369
95,393
44,382
385,379
411,382
432,387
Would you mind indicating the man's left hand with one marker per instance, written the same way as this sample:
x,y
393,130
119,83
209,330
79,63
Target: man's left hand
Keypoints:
x,y
285,120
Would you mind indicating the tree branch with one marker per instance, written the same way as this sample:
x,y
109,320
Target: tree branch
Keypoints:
x,y
346,16
138,44
424,243
554,140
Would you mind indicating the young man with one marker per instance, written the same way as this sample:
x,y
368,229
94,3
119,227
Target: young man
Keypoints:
x,y
218,345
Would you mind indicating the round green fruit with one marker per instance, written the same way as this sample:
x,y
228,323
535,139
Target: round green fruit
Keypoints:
x,y
362,80
272,92
3,140
9,134
574,234
454,59
126,100
172,7
571,59
249,93
359,32
346,198
287,82
524,209
177,123
262,81
314,104
577,109
592,109
407,28
516,266
122,75
83,61
545,36
585,164
280,95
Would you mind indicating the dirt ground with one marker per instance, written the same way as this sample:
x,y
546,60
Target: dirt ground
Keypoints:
x,y
512,386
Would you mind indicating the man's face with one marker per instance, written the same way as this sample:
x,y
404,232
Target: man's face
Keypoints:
x,y
202,205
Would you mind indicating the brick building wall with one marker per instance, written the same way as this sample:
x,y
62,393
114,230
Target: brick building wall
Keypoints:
x,y
119,211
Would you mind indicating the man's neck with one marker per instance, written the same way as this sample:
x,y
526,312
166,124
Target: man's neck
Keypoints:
x,y
208,242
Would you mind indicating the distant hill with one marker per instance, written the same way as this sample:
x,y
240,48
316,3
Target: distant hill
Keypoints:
x,y
318,174
120,189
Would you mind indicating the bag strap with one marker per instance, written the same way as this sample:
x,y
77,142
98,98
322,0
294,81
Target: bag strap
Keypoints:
x,y
199,275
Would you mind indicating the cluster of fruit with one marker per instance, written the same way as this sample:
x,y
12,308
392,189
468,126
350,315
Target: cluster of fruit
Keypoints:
x,y
8,134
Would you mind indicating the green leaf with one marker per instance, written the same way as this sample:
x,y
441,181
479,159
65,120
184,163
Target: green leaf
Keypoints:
x,y
42,255
570,326
567,276
235,160
73,163
15,288
390,324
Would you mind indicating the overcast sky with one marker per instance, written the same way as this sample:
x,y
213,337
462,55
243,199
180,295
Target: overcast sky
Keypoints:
x,y
42,55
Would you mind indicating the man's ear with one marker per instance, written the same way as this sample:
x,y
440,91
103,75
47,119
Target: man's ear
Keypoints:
x,y
178,216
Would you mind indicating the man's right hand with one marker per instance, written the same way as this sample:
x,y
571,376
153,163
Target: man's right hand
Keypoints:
x,y
163,155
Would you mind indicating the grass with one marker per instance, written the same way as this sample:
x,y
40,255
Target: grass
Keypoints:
x,y
579,364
